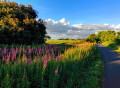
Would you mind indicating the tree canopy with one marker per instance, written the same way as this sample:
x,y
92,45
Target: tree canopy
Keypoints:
x,y
109,35
18,24
103,36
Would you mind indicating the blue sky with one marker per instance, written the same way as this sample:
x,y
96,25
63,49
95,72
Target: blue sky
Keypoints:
x,y
75,12
78,11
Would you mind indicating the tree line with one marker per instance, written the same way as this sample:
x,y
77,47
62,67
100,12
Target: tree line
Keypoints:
x,y
103,36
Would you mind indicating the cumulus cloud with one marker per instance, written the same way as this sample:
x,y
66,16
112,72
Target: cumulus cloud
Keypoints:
x,y
59,26
62,29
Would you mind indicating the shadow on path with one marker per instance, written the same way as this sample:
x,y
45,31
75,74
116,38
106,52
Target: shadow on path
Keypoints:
x,y
111,67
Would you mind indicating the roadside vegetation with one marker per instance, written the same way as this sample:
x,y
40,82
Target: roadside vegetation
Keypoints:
x,y
110,39
47,66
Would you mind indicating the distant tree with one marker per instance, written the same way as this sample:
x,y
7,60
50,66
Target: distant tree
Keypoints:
x,y
19,24
47,37
84,40
78,39
66,39
92,38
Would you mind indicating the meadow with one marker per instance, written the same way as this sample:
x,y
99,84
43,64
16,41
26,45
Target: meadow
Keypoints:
x,y
55,64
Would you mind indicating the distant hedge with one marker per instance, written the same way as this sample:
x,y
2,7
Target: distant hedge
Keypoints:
x,y
18,24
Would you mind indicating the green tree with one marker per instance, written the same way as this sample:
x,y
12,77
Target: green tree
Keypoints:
x,y
92,38
18,24
104,36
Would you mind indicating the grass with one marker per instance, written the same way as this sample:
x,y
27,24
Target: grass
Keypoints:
x,y
94,73
112,45
51,66
63,42
91,75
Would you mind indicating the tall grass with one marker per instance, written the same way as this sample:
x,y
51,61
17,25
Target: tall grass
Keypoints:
x,y
46,66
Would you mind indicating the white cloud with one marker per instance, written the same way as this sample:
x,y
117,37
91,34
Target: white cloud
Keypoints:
x,y
64,22
62,29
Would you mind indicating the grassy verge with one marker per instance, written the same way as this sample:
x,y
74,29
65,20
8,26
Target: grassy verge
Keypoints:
x,y
93,74
112,45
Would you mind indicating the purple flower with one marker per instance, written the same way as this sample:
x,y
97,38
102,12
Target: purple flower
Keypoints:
x,y
51,57
32,49
8,56
39,52
12,58
37,59
40,49
18,60
4,51
59,57
56,71
20,48
3,59
28,61
23,49
45,62
47,56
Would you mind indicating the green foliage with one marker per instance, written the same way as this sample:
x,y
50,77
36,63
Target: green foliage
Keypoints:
x,y
109,35
94,73
118,35
7,82
18,24
111,45
25,83
110,39
92,38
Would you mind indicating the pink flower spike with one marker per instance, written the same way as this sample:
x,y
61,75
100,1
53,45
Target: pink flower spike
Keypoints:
x,y
3,59
28,61
51,57
37,59
45,62
56,71
9,55
12,58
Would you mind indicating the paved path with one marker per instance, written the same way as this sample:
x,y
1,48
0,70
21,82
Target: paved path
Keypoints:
x,y
111,67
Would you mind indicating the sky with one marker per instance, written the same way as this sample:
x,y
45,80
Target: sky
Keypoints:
x,y
76,18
